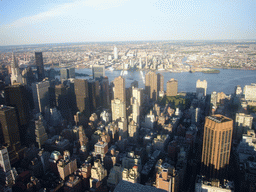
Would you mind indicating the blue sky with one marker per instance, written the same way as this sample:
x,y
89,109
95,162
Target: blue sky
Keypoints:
x,y
59,21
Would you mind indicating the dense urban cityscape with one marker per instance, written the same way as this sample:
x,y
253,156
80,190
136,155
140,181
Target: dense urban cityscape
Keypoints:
x,y
64,130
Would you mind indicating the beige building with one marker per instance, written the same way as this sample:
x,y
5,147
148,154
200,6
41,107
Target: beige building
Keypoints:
x,y
98,173
172,87
119,89
132,175
201,87
243,123
118,109
151,85
250,92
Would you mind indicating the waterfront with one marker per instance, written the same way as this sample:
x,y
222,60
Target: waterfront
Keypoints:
x,y
225,81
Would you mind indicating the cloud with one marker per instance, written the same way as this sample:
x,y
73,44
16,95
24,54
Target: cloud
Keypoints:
x,y
62,9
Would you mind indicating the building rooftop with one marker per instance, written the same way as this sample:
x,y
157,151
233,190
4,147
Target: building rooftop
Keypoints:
x,y
219,118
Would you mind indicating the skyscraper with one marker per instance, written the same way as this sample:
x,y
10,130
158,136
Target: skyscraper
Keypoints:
x,y
39,65
160,82
201,87
16,74
98,71
216,146
41,95
250,92
67,73
94,95
136,101
17,96
115,53
119,89
172,87
82,96
118,109
11,135
151,85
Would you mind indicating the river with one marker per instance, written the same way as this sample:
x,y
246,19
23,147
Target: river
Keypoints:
x,y
225,81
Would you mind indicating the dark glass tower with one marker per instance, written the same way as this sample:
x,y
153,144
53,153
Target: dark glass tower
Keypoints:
x,y
39,65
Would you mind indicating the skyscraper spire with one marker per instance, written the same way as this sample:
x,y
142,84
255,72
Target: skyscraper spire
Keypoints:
x,y
16,75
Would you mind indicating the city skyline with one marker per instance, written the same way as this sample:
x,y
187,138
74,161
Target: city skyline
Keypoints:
x,y
124,20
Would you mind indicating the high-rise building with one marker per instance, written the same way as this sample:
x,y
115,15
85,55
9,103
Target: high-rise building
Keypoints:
x,y
172,87
115,53
250,92
39,66
16,74
98,71
11,135
17,96
67,73
41,95
160,82
243,123
201,87
94,95
118,109
238,90
104,92
62,100
119,89
41,135
82,96
151,85
136,102
216,146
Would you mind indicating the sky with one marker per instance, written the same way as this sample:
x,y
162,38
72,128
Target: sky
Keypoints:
x,y
61,21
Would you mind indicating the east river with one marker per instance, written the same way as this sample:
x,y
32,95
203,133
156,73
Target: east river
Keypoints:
x,y
225,81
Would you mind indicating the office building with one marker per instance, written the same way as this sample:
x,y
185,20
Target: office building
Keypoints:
x,y
201,87
133,131
40,92
119,89
82,96
172,87
216,146
98,173
67,73
62,100
250,92
160,83
118,109
39,66
243,123
41,135
151,85
98,71
94,95
11,135
66,166
238,90
136,102
115,53
104,92
16,73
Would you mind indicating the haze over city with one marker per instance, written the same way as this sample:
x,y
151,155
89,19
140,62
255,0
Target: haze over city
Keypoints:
x,y
127,96
61,21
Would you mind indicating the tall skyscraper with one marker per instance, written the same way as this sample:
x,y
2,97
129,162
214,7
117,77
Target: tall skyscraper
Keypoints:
x,y
39,65
94,95
17,96
115,53
98,71
201,87
119,89
82,96
216,146
160,82
118,109
151,85
41,95
104,92
11,135
16,74
172,87
136,101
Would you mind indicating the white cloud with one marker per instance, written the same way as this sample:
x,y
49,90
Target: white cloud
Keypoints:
x,y
62,9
